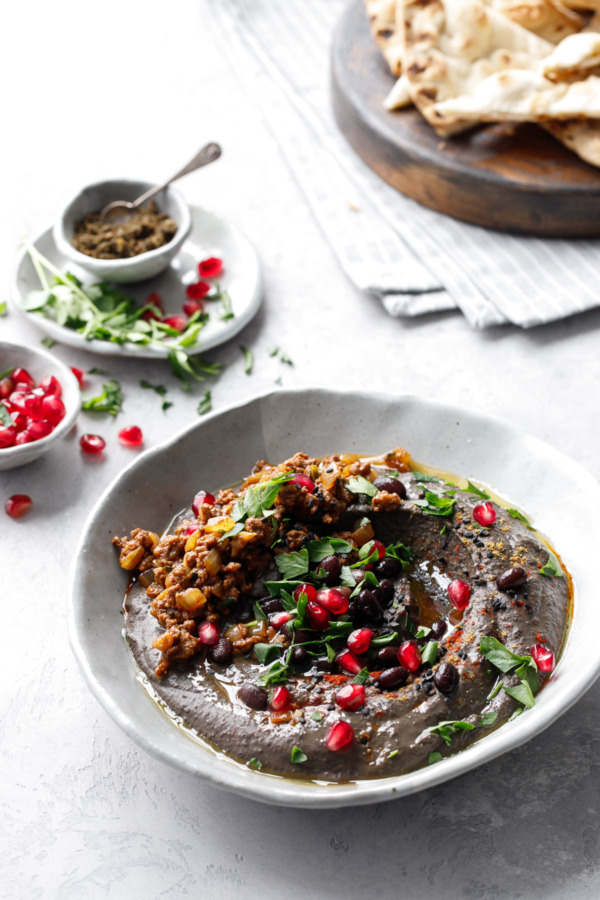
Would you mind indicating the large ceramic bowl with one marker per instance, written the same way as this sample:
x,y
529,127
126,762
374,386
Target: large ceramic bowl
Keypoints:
x,y
39,363
95,197
222,449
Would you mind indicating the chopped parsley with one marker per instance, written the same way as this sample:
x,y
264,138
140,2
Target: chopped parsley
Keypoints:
x,y
518,515
524,668
109,401
425,479
48,342
205,405
248,359
159,389
447,730
360,485
552,567
434,757
488,719
436,505
292,565
266,653
298,756
254,763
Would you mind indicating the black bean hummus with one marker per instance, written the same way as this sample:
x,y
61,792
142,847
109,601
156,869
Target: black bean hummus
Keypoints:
x,y
344,618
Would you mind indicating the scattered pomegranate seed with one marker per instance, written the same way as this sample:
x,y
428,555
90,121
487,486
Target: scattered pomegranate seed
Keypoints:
x,y
8,434
544,658
279,619
131,436
150,316
211,267
79,375
202,498
378,547
280,699
348,661
308,589
92,443
318,617
351,696
333,601
53,409
409,655
359,640
339,736
198,290
208,633
39,428
17,505
22,377
192,306
459,593
179,323
51,385
485,513
303,481
154,299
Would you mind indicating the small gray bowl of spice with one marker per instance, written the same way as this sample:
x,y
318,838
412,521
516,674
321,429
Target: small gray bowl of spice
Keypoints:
x,y
123,252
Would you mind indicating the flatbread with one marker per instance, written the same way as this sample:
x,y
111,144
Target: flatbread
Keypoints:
x,y
522,95
582,136
452,46
399,96
385,30
574,58
549,19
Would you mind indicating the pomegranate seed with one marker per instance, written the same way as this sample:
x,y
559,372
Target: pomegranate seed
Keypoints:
x,y
7,436
17,400
131,436
359,640
53,408
333,601
179,323
51,385
485,513
318,617
339,736
303,481
6,387
22,376
192,306
150,316
280,699
544,658
208,633
379,547
279,619
20,421
211,267
201,498
308,589
23,437
17,505
190,529
79,375
198,290
39,428
409,655
154,299
348,661
92,443
459,593
351,696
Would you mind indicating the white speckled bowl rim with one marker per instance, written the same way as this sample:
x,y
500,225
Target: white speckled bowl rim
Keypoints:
x,y
560,496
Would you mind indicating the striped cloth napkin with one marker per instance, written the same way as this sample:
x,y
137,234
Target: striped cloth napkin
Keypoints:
x,y
414,259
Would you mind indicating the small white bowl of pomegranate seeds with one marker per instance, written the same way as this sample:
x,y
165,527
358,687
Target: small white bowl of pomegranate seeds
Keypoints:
x,y
39,402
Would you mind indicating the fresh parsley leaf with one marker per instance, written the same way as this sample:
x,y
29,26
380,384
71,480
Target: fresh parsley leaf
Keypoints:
x,y
552,567
319,549
316,716
382,640
280,588
518,515
273,351
292,565
359,485
259,612
285,359
298,756
266,653
392,754
237,528
499,655
166,405
226,307
446,730
444,528
4,308
422,632
434,757
254,763
521,692
109,401
5,417
258,500
347,579
516,713
48,342
496,689
278,381
159,389
362,677
425,479
277,673
439,505
96,371
488,719
473,489
429,653
205,404
248,359
400,552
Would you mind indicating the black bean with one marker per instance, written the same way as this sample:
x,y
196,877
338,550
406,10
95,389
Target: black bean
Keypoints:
x,y
300,657
392,678
513,577
271,605
439,628
299,636
331,568
253,696
388,567
387,657
386,586
370,607
222,652
391,485
446,678
324,665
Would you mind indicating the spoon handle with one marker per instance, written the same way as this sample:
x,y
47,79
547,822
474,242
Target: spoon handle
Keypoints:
x,y
203,157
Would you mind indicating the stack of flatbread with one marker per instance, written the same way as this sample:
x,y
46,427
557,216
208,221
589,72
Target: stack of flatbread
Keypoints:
x,y
464,62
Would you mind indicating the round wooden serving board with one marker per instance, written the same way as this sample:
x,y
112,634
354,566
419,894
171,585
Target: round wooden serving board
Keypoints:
x,y
513,178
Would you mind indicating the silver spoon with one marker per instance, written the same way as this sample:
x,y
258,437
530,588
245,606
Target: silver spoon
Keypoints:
x,y
122,209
